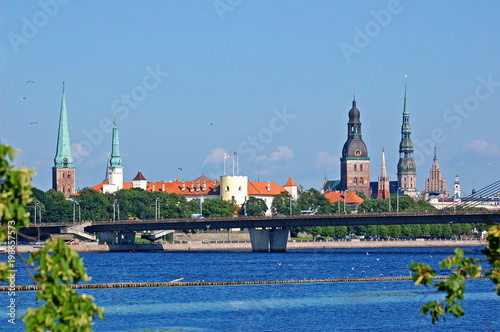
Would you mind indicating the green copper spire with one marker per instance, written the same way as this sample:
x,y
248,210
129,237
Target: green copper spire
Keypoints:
x,y
115,161
63,158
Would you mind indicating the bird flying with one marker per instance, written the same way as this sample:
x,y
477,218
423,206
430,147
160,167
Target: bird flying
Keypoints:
x,y
23,98
180,168
30,82
33,122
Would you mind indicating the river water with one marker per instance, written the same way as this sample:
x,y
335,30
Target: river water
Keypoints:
x,y
353,306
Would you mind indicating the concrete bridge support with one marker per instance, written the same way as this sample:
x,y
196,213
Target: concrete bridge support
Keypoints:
x,y
259,239
273,239
107,237
126,237
278,238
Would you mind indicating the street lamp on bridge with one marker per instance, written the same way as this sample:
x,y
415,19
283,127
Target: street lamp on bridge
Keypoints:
x,y
74,210
157,208
114,209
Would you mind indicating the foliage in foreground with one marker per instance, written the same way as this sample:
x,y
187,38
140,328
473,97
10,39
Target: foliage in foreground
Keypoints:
x,y
64,309
15,192
461,267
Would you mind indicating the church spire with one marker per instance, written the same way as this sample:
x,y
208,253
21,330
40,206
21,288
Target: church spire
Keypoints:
x,y
383,181
355,163
115,173
383,173
63,172
115,161
63,158
405,107
407,172
106,179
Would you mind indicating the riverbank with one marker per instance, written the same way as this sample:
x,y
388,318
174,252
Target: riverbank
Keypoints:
x,y
197,245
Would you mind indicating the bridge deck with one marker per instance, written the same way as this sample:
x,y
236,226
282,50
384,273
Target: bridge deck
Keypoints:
x,y
286,221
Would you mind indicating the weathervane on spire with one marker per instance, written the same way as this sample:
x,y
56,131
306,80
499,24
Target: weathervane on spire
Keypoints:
x,y
115,122
354,93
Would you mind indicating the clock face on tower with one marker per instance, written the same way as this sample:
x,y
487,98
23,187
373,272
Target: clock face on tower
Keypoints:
x,y
65,161
357,152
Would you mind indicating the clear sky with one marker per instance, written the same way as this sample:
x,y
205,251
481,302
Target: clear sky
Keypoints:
x,y
271,80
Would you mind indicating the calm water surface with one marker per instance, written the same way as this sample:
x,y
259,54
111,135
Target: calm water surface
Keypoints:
x,y
356,306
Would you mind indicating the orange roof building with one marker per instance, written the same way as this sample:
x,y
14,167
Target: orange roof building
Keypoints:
x,y
205,188
292,188
352,200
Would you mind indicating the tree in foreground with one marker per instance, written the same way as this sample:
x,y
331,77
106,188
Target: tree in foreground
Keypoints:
x,y
64,309
461,268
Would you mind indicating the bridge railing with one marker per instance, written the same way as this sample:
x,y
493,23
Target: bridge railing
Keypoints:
x,y
207,220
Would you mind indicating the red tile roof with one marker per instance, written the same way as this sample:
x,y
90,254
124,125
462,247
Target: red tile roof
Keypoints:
x,y
203,177
174,187
290,183
139,176
352,198
261,188
194,188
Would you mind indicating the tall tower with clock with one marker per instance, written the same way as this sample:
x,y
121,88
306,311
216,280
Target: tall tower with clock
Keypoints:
x,y
355,163
63,172
407,170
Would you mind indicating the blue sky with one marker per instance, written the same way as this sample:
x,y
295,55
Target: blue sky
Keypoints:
x,y
274,78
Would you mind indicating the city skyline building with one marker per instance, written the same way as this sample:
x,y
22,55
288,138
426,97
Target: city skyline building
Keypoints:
x,y
63,172
435,184
407,169
456,188
115,169
355,163
383,181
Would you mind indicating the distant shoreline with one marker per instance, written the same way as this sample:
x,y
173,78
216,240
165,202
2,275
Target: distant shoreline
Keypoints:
x,y
247,246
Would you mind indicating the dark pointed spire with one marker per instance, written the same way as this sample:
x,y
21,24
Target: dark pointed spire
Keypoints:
x,y
405,107
106,179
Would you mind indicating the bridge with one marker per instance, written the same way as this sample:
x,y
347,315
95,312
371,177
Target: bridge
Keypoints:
x,y
266,233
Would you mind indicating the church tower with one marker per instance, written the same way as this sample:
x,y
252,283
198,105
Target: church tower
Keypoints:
x,y
115,173
355,163
63,172
383,181
407,170
456,189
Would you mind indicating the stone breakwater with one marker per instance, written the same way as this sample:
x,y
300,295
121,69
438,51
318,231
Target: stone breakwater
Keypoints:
x,y
217,283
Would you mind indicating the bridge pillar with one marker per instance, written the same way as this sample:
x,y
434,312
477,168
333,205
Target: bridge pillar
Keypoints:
x,y
278,238
259,239
126,237
264,240
107,237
